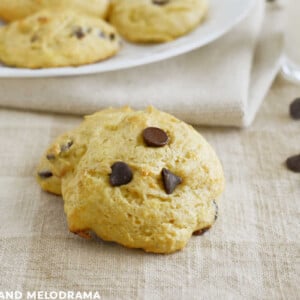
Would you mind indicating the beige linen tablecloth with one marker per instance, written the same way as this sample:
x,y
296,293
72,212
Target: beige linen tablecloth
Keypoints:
x,y
252,252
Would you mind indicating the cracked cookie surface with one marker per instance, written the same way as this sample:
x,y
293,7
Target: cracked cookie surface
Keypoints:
x,y
141,195
54,38
156,20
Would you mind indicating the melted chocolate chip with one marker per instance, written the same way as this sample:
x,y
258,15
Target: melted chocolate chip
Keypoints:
x,y
78,32
295,109
155,137
201,231
160,2
121,174
216,209
50,156
45,174
293,163
66,146
170,180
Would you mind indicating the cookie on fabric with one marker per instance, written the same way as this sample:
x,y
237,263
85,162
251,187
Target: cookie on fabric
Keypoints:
x,y
143,179
11,10
54,38
148,21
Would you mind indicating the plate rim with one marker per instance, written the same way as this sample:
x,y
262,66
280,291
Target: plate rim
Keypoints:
x,y
85,69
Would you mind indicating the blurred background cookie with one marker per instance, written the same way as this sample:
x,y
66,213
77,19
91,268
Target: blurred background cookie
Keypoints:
x,y
55,38
156,20
11,10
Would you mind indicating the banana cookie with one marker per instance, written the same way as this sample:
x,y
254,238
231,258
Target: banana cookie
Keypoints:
x,y
54,38
143,179
156,20
11,10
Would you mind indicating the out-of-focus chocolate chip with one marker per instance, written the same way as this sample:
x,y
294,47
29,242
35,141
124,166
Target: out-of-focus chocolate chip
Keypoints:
x,y
293,163
66,146
50,156
216,209
201,231
155,137
45,174
112,36
34,38
295,109
121,174
160,2
170,180
78,32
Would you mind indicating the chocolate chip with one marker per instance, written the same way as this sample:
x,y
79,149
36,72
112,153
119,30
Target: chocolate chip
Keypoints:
x,y
66,146
160,2
121,174
155,137
295,109
50,156
34,38
201,231
78,32
45,174
112,36
216,209
293,163
170,180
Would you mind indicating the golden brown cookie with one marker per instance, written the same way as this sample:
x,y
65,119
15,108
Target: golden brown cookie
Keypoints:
x,y
143,179
156,20
54,38
11,10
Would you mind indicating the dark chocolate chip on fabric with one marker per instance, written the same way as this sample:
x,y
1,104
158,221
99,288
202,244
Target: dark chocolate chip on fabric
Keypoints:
x,y
66,146
295,109
121,174
155,137
293,163
216,209
45,174
201,231
170,180
160,2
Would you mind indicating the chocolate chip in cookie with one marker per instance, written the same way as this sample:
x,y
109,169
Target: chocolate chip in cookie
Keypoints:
x,y
170,180
155,137
79,33
50,156
121,174
67,146
201,231
45,174
160,2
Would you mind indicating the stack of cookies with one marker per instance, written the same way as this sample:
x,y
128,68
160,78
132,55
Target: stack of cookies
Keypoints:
x,y
58,33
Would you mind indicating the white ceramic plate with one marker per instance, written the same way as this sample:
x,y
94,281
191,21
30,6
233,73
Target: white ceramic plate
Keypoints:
x,y
223,15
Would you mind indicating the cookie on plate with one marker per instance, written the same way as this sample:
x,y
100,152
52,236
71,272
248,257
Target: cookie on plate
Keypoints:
x,y
143,179
11,10
53,38
156,20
